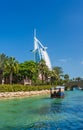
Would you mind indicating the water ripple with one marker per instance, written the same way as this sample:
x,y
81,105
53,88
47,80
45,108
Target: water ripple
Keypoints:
x,y
43,113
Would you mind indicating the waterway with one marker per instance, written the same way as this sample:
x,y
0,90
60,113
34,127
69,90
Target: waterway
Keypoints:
x,y
43,113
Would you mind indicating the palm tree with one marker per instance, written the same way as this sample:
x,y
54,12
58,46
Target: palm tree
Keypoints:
x,y
78,79
3,58
56,73
66,77
11,66
43,70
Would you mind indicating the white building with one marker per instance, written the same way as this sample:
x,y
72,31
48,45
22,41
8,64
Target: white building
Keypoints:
x,y
40,52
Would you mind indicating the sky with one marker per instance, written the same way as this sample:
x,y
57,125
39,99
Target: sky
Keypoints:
x,y
59,26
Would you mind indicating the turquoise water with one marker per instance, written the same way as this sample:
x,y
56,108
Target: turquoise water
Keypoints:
x,y
43,113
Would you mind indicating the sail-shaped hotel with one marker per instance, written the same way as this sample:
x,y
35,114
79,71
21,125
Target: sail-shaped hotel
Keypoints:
x,y
40,52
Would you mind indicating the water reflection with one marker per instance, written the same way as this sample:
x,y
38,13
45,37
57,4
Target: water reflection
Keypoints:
x,y
56,107
48,107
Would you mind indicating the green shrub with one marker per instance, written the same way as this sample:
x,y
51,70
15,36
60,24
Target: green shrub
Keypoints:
x,y
17,87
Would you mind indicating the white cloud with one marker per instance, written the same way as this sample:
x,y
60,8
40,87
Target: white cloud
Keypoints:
x,y
65,60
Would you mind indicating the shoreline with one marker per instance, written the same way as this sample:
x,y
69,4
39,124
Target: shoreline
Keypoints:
x,y
20,94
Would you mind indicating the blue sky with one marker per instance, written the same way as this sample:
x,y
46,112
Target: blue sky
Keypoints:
x,y
59,25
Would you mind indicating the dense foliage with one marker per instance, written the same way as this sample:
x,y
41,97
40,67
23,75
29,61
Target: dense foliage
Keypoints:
x,y
13,72
17,87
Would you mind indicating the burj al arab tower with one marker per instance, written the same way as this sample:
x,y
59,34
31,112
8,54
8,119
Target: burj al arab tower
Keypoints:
x,y
40,52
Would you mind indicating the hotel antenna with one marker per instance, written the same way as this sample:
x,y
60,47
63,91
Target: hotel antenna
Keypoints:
x,y
34,50
34,33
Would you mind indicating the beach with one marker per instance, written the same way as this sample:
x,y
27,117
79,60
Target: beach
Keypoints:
x,y
22,94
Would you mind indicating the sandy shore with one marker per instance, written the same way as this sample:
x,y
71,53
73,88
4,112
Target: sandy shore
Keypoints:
x,y
22,94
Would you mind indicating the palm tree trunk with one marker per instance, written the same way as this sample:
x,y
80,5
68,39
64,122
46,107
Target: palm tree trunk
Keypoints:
x,y
42,77
11,77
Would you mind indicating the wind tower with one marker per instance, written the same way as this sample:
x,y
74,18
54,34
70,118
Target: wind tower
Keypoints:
x,y
40,52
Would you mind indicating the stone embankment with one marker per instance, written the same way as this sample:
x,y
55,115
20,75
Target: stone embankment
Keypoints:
x,y
23,94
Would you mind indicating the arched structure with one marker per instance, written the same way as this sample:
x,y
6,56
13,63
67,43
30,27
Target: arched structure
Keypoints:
x,y
40,52
74,84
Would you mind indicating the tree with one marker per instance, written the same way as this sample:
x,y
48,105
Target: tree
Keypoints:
x,y
66,78
58,72
43,70
11,66
3,59
29,70
55,75
78,79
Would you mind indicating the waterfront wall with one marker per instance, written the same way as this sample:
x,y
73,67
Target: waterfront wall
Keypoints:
x,y
23,94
